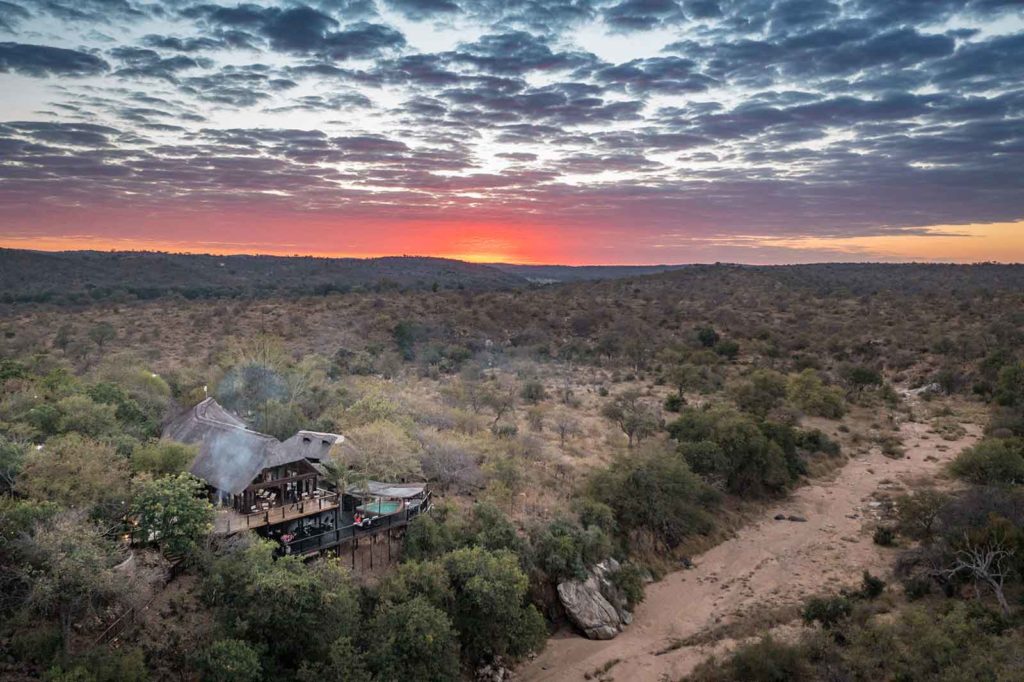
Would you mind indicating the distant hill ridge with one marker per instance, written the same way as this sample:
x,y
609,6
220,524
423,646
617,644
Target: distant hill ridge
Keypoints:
x,y
82,277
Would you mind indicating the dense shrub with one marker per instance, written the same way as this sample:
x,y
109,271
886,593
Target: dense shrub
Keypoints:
x,y
276,603
759,393
765,660
655,496
230,660
564,550
533,392
172,511
884,536
827,611
810,394
413,640
992,461
489,610
739,452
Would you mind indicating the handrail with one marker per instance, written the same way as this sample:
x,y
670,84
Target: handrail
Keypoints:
x,y
264,516
352,531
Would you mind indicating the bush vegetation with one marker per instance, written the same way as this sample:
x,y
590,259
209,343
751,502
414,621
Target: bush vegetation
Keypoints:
x,y
562,425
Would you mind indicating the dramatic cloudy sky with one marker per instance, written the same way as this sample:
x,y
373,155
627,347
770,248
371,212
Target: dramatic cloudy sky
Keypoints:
x,y
608,131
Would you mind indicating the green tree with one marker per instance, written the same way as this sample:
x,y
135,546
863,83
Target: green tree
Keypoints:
x,y
413,640
65,334
426,538
533,392
761,392
490,611
12,459
102,333
635,418
707,336
172,511
418,579
563,550
810,394
1010,385
656,499
276,603
683,376
748,461
230,660
345,663
79,414
860,377
69,565
993,461
76,472
918,514
162,457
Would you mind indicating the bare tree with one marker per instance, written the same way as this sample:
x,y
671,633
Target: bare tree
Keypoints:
x,y
986,560
566,426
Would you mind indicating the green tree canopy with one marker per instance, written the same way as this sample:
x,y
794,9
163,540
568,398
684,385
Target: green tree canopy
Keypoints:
x,y
172,511
413,640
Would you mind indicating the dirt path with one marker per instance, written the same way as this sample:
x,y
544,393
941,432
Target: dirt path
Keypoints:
x,y
767,564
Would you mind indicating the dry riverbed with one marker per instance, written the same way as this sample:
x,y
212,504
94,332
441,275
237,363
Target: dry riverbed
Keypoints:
x,y
764,572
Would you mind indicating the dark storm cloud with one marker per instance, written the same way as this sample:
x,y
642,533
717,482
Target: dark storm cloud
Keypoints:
x,y
73,134
423,9
541,16
43,60
139,62
508,101
337,102
11,15
668,75
239,86
99,11
643,15
516,52
302,29
180,44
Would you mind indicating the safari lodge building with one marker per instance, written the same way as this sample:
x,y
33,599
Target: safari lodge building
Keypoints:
x,y
279,488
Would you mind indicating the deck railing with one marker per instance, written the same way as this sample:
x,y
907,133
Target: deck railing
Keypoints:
x,y
338,536
239,521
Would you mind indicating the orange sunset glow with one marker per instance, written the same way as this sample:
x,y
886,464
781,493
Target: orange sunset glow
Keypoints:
x,y
575,132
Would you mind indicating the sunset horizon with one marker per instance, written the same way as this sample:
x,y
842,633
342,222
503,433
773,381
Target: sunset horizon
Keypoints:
x,y
958,244
573,131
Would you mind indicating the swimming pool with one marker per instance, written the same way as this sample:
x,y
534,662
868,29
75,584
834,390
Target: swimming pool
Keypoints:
x,y
380,508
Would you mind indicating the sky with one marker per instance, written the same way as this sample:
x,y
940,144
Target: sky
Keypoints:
x,y
532,131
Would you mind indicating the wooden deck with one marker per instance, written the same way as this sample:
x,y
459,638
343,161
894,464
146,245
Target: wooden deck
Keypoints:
x,y
227,521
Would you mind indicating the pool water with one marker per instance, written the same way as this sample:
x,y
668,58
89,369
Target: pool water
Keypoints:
x,y
380,508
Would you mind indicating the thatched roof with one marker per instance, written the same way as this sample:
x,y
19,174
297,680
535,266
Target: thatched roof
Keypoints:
x,y
312,445
231,455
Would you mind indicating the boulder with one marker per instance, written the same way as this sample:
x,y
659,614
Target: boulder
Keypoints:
x,y
595,605
496,671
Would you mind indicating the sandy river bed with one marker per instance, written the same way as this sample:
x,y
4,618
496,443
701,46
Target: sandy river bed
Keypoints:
x,y
767,565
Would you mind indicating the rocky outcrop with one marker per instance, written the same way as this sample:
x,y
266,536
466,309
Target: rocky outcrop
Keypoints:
x,y
595,605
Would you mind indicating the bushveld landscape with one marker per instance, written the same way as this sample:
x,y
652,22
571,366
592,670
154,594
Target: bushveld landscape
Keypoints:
x,y
794,473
